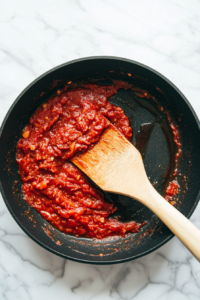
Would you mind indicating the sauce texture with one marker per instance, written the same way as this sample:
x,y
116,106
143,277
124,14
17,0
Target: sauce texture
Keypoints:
x,y
69,123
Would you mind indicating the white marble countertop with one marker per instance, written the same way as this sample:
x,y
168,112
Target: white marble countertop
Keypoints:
x,y
38,35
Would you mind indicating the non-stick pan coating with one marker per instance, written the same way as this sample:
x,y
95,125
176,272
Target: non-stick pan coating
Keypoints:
x,y
156,159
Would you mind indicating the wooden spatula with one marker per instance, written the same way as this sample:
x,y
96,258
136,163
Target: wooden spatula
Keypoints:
x,y
116,166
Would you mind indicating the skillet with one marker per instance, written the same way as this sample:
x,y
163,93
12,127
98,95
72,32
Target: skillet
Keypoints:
x,y
158,152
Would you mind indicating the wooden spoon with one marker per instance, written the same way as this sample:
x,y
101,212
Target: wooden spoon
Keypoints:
x,y
116,166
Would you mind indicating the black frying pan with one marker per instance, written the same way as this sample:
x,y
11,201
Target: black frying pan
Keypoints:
x,y
158,156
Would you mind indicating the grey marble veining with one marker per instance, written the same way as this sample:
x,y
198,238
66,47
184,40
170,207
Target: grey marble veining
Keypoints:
x,y
38,35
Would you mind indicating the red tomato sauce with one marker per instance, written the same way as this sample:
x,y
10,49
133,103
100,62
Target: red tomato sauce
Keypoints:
x,y
176,141
68,123
171,191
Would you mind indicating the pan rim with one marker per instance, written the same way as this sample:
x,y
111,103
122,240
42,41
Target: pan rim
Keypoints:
x,y
55,69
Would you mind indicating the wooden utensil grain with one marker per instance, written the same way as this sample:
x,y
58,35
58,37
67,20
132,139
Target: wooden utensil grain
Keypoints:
x,y
116,166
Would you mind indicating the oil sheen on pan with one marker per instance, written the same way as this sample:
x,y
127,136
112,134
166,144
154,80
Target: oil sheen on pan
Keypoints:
x,y
69,123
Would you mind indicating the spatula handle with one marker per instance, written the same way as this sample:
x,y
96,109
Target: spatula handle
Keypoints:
x,y
175,221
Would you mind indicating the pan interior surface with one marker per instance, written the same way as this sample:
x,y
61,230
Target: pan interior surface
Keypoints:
x,y
158,155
